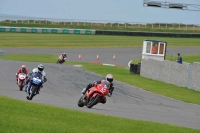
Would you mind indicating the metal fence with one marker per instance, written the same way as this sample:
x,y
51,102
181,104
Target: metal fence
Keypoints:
x,y
96,23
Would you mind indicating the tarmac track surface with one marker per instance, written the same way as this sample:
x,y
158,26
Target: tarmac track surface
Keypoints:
x,y
65,83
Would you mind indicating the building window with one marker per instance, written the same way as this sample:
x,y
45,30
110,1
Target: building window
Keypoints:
x,y
148,47
161,50
154,49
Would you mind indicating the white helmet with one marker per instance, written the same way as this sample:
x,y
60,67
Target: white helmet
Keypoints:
x,y
109,78
40,67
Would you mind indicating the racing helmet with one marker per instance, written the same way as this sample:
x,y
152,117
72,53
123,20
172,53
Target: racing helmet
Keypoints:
x,y
64,54
40,67
109,78
23,68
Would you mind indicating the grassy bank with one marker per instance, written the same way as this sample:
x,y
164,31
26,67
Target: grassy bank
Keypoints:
x,y
169,90
33,40
26,117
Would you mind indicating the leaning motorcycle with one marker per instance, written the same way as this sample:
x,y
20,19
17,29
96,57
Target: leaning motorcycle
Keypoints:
x,y
60,60
21,80
95,94
35,83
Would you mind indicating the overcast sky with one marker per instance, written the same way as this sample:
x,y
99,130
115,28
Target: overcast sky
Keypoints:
x,y
112,10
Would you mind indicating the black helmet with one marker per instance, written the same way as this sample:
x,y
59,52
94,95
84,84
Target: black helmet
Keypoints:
x,y
40,67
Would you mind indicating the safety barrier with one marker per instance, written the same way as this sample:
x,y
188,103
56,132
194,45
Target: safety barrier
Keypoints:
x,y
46,30
96,32
142,33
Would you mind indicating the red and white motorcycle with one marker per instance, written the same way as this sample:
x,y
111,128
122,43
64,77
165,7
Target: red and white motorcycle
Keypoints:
x,y
61,60
21,80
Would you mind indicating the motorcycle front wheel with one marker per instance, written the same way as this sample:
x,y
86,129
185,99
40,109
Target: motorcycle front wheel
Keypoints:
x,y
93,101
33,91
80,102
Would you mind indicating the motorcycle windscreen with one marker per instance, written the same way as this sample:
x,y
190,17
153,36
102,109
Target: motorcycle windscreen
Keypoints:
x,y
106,84
37,78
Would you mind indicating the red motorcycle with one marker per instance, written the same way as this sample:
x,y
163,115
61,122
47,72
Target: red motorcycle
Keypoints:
x,y
95,94
60,60
21,80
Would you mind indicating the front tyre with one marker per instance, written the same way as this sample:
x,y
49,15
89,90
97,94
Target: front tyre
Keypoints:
x,y
80,102
33,91
21,87
93,101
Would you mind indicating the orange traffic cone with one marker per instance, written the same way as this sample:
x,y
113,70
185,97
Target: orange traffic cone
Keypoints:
x,y
114,58
79,57
97,57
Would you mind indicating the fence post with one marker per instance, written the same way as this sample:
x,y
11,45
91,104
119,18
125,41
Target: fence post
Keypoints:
x,y
166,26
190,76
159,25
152,26
179,25
118,24
186,26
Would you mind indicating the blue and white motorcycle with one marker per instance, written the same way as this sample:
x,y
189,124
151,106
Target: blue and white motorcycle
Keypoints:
x,y
34,85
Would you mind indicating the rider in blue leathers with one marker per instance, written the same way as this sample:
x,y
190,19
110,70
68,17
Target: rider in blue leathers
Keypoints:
x,y
39,69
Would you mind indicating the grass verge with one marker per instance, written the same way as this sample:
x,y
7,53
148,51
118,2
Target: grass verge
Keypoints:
x,y
169,90
33,40
26,117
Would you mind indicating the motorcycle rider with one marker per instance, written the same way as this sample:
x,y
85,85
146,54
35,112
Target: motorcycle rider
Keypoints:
x,y
40,69
21,70
109,78
63,57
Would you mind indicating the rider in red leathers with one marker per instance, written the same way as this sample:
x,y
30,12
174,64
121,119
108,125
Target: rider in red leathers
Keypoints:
x,y
21,70
109,78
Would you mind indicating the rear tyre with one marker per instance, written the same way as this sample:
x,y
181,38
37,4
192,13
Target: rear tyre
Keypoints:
x,y
93,101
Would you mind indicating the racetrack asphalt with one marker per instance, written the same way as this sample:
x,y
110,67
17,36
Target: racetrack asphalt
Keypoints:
x,y
65,83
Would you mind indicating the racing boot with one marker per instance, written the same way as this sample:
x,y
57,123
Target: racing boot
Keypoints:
x,y
103,101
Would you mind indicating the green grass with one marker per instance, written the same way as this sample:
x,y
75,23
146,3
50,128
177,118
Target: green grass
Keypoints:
x,y
33,40
169,90
25,117
108,27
